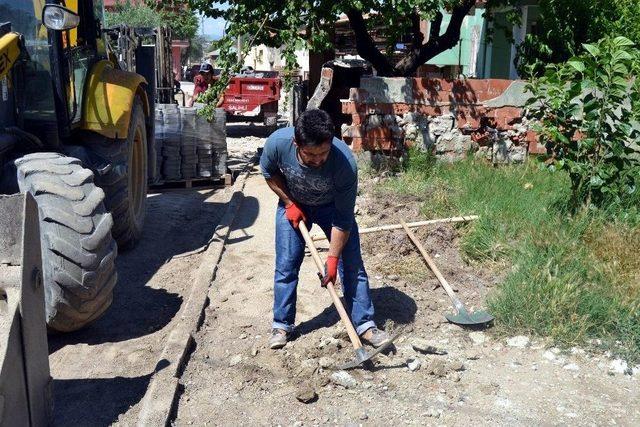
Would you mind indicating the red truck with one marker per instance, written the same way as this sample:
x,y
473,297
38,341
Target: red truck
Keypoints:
x,y
255,94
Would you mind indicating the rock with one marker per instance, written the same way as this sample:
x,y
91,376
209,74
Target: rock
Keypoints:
x,y
456,377
344,379
432,413
330,342
235,360
478,338
438,368
519,341
618,366
423,346
549,355
308,367
243,336
325,362
367,384
364,416
224,299
306,394
456,365
254,351
414,364
393,277
571,367
472,355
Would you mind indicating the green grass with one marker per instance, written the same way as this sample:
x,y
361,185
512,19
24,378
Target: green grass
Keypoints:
x,y
573,277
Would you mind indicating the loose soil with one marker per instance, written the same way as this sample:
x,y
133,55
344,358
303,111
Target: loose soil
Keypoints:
x,y
101,373
233,379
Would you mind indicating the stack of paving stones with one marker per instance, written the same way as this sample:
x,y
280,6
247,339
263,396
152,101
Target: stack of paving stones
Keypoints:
x,y
189,138
219,142
205,148
188,145
171,150
159,136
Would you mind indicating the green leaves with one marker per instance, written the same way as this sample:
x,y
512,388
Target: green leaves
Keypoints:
x,y
577,65
587,112
593,50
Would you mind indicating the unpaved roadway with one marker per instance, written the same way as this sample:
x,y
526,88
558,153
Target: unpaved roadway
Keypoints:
x,y
233,379
101,373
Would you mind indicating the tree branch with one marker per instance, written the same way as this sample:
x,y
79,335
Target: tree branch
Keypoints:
x,y
436,23
365,45
417,38
408,65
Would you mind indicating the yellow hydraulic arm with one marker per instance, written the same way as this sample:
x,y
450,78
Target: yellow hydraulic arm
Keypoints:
x,y
9,52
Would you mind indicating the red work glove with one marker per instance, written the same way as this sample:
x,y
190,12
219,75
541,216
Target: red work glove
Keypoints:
x,y
330,270
294,214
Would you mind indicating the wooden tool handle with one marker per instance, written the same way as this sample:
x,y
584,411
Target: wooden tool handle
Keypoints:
x,y
410,224
430,263
355,339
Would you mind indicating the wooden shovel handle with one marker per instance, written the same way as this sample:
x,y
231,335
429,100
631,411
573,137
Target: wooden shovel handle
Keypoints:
x,y
355,339
430,263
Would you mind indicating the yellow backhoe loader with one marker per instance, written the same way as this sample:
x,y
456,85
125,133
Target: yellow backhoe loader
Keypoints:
x,y
76,132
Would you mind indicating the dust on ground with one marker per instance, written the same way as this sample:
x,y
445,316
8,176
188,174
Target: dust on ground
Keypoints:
x,y
101,373
438,373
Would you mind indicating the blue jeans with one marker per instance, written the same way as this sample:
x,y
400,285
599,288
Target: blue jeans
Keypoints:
x,y
289,255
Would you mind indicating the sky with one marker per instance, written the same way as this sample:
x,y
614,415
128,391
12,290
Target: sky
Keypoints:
x,y
211,28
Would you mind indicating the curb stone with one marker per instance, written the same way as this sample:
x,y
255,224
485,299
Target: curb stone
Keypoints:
x,y
159,400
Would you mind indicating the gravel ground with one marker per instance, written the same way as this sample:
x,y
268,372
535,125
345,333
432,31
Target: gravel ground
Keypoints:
x,y
116,355
438,373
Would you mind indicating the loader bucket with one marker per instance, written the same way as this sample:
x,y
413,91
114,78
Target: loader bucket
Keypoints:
x,y
25,381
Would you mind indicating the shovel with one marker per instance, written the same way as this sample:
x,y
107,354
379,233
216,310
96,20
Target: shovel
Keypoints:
x,y
463,317
362,356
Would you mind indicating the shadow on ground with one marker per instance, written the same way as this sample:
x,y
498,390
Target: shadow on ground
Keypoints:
x,y
244,129
96,402
178,222
390,304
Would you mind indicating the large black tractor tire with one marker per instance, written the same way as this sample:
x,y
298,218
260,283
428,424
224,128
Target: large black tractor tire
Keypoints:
x,y
78,251
125,182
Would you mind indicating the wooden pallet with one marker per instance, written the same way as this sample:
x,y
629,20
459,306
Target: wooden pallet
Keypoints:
x,y
223,181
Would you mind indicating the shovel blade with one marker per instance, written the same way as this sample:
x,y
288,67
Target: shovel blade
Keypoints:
x,y
465,318
366,357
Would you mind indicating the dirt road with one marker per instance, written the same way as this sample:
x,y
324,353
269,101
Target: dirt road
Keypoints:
x,y
233,379
102,372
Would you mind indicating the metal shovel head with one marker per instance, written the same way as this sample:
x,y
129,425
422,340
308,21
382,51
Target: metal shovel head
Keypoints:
x,y
363,357
465,318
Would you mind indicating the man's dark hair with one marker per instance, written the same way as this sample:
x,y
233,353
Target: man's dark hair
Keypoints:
x,y
313,127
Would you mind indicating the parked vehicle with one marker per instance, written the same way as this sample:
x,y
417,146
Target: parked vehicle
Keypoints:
x,y
254,96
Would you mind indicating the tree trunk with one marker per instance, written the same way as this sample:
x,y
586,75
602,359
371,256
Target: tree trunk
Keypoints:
x,y
420,53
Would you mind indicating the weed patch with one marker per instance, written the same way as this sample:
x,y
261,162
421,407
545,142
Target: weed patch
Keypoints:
x,y
572,277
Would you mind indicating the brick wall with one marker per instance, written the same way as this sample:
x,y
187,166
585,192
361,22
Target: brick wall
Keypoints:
x,y
452,117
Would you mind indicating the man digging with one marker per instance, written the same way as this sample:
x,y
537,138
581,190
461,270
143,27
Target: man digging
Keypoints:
x,y
315,177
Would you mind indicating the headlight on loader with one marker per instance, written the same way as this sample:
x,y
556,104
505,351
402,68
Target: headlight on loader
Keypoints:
x,y
57,17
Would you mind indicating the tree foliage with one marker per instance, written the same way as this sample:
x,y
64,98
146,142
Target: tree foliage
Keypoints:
x,y
588,112
292,24
183,22
124,13
564,25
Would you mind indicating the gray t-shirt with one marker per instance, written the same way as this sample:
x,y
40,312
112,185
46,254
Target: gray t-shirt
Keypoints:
x,y
336,181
